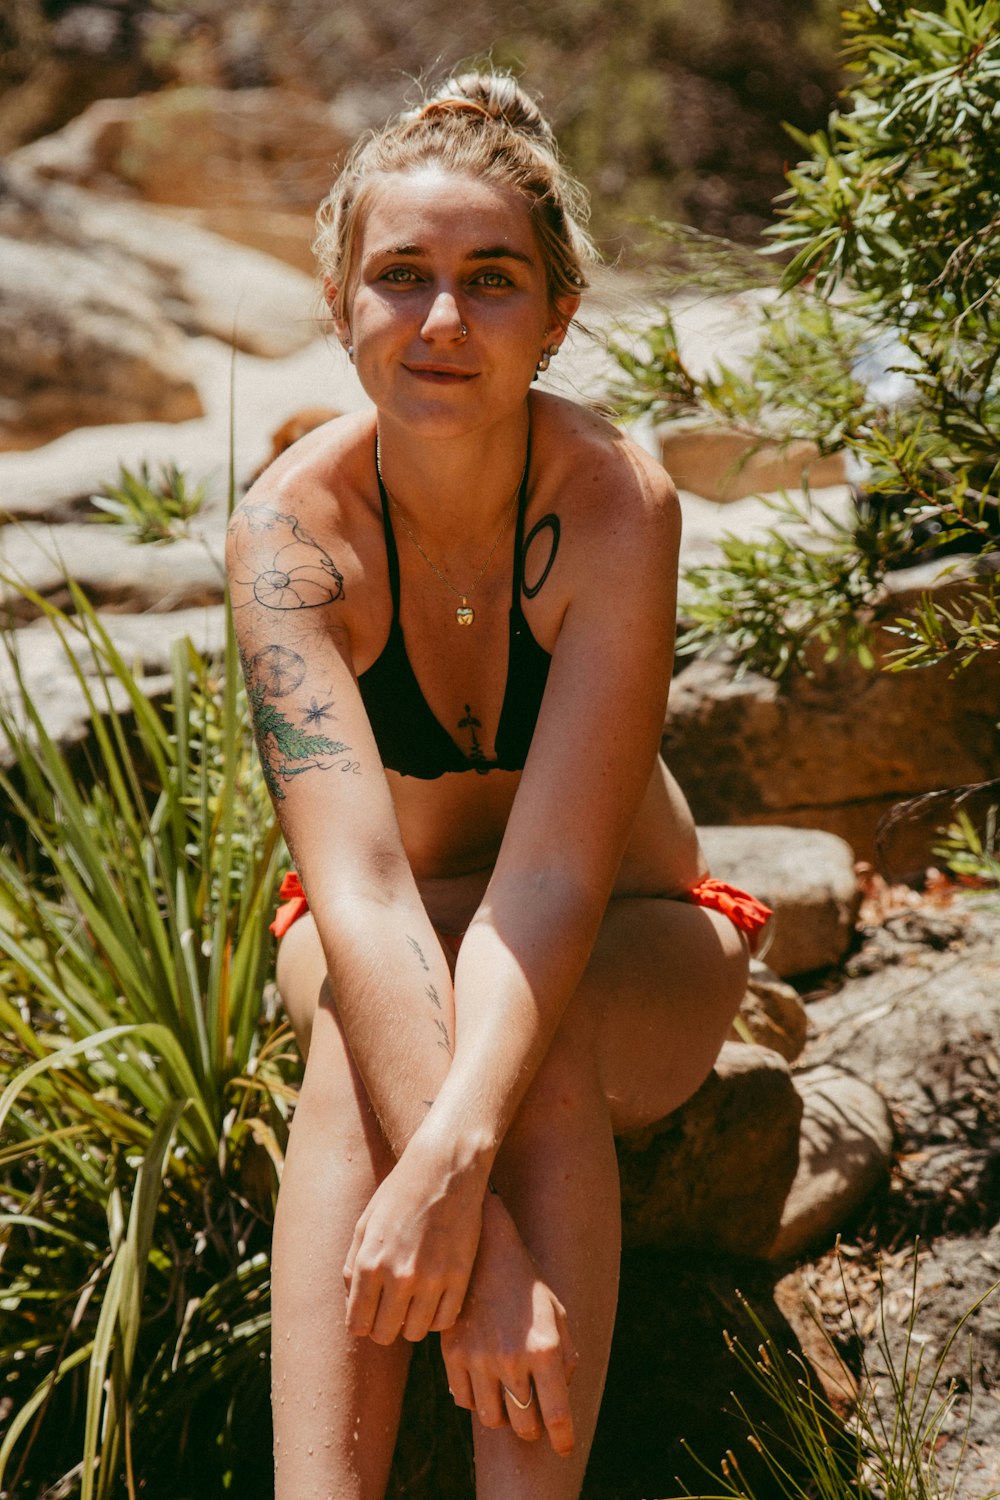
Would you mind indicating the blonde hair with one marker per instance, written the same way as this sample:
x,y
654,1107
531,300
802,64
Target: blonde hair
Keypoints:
x,y
482,125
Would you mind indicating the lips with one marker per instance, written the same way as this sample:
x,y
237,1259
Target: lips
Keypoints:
x,y
445,373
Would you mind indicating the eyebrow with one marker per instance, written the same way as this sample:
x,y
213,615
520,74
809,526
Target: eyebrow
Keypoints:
x,y
489,252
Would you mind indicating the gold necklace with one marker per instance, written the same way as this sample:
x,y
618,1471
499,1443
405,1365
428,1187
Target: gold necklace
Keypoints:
x,y
464,612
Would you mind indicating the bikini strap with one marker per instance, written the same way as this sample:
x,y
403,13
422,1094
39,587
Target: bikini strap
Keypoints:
x,y
391,555
522,506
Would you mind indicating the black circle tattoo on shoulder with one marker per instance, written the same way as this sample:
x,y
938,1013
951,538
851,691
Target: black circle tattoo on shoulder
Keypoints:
x,y
279,670
547,523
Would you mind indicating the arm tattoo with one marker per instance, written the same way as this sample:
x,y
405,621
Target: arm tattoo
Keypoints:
x,y
416,948
444,1038
547,523
285,750
298,573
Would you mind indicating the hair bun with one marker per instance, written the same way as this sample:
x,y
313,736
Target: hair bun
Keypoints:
x,y
497,96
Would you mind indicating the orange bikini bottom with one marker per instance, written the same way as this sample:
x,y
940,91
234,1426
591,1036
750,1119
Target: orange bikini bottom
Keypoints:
x,y
744,911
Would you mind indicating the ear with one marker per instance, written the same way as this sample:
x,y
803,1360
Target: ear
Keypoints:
x,y
340,323
564,310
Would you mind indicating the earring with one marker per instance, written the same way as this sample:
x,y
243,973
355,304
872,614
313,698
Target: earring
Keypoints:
x,y
349,351
546,357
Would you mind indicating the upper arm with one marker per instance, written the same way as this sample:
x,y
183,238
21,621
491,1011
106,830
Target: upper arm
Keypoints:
x,y
316,748
601,721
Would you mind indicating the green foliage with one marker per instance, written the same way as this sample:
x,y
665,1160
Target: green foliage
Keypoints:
x,y
969,852
144,1098
889,1448
891,230
152,510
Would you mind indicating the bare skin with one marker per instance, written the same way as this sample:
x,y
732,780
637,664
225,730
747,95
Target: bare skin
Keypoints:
x,y
586,998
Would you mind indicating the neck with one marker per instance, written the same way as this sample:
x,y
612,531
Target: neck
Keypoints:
x,y
454,488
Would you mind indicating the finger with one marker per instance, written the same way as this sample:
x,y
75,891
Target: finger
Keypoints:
x,y
570,1357
392,1312
552,1394
448,1310
489,1407
460,1387
350,1264
420,1317
522,1411
363,1303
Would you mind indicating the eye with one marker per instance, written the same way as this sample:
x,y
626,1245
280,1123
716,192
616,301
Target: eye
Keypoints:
x,y
493,280
399,275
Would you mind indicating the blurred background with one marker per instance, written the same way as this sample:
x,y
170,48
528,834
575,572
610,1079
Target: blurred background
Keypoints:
x,y
666,108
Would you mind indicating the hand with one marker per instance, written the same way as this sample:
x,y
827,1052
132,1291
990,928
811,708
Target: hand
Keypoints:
x,y
511,1342
413,1250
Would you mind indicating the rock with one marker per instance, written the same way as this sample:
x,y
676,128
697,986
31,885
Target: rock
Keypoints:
x,y
201,282
714,1174
113,571
808,879
254,163
926,1033
82,347
831,752
723,465
773,1013
845,1151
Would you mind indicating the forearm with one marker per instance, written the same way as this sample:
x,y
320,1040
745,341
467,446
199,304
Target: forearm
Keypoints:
x,y
393,991
520,963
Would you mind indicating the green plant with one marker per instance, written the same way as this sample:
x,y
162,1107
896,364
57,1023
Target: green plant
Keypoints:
x,y
144,1112
971,852
884,342
153,511
889,1448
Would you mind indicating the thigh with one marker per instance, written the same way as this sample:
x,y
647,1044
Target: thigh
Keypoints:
x,y
664,981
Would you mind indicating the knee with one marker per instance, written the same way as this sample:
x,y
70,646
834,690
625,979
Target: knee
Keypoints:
x,y
564,1090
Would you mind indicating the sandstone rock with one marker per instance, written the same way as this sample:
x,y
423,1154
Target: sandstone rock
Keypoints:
x,y
772,1013
143,640
722,465
845,1150
808,879
833,752
714,1174
252,163
113,571
82,347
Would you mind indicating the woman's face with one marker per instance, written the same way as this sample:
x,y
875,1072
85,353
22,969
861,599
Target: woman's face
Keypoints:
x,y
449,311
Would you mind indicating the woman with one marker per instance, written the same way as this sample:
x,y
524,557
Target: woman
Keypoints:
x,y
455,613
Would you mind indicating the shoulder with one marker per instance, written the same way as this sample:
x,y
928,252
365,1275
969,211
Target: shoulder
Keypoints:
x,y
605,487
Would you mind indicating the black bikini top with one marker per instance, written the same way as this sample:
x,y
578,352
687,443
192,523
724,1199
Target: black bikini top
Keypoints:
x,y
409,737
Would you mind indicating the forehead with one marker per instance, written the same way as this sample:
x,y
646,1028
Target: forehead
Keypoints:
x,y
433,209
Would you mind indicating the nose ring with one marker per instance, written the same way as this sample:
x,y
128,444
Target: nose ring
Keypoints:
x,y
464,333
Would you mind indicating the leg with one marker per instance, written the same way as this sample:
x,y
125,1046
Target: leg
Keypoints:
x,y
336,1399
639,1036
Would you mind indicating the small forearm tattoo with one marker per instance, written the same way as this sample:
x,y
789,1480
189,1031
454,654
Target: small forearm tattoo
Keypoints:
x,y
294,571
430,990
416,948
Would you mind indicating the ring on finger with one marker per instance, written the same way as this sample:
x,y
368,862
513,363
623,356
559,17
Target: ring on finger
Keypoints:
x,y
521,1405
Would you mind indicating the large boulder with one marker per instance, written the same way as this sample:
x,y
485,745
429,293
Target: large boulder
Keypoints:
x,y
845,1152
806,877
837,750
713,1175
251,164
83,347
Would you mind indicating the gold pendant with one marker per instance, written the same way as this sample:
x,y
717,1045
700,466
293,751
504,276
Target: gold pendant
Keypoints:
x,y
465,614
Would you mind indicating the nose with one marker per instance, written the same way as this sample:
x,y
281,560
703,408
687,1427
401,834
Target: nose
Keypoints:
x,y
443,320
